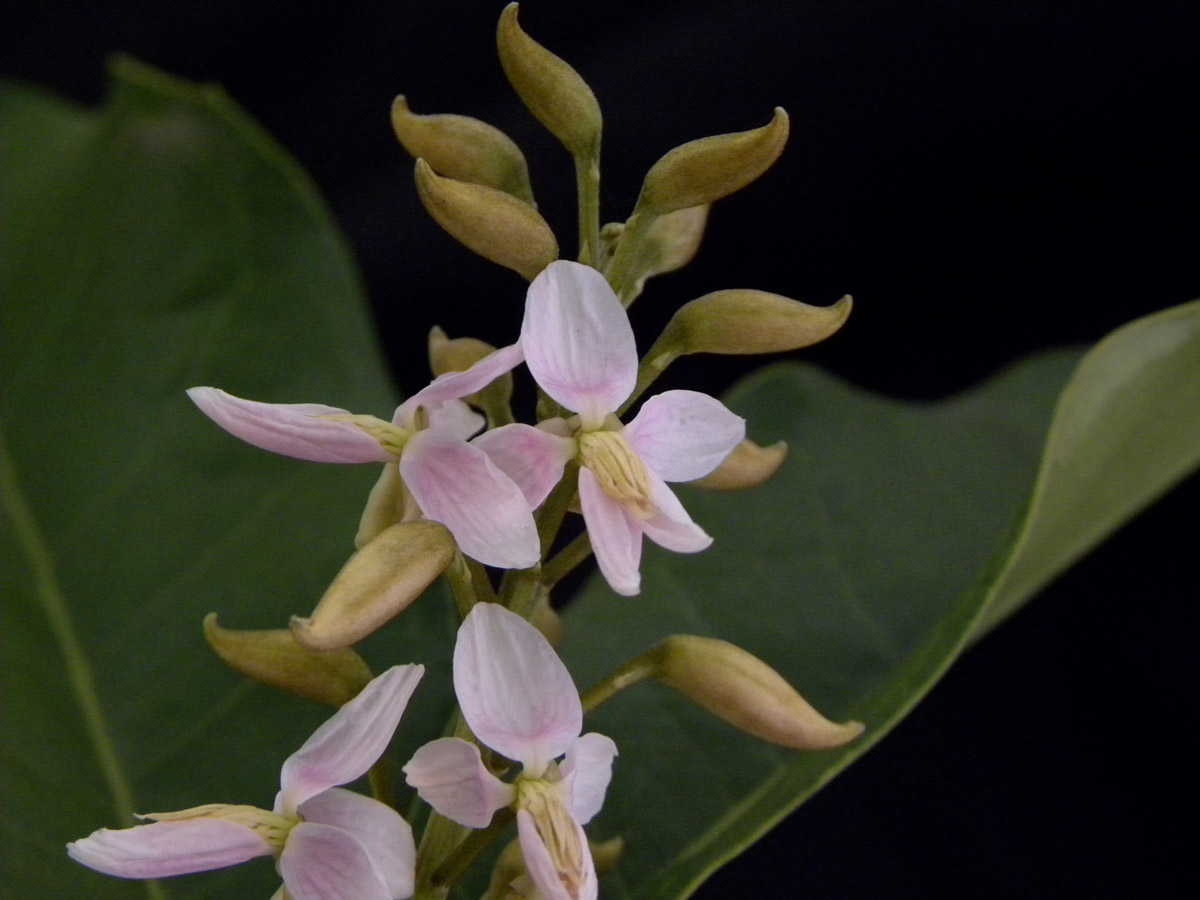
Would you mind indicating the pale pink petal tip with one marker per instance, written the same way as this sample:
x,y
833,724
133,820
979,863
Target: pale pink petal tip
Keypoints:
x,y
450,776
385,836
324,862
616,536
684,435
162,849
587,770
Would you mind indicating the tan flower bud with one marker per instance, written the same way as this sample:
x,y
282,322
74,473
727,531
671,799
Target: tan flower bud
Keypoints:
x,y
463,148
749,465
746,321
668,243
554,92
702,171
276,658
494,224
376,583
385,506
744,691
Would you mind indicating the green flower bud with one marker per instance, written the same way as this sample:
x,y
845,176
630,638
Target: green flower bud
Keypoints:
x,y
747,693
749,465
554,92
376,583
276,658
464,149
702,171
746,321
494,224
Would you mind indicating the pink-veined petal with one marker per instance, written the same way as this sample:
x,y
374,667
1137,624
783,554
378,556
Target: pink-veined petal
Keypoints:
x,y
672,527
684,435
450,776
454,385
381,830
457,484
615,534
587,770
161,849
578,342
292,429
541,868
324,862
456,418
514,691
350,741
532,458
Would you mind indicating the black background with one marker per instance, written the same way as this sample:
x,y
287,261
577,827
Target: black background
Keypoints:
x,y
987,178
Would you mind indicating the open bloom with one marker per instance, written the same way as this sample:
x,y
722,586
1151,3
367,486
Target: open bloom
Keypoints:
x,y
322,835
518,699
579,345
452,482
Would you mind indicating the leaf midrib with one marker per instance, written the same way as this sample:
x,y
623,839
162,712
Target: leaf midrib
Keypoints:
x,y
80,678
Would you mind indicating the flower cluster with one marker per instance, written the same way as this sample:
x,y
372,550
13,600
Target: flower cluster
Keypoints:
x,y
465,487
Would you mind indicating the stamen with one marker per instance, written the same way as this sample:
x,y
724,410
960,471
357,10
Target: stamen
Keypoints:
x,y
618,469
271,827
391,437
543,801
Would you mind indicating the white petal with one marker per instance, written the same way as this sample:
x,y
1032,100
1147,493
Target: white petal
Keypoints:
x,y
458,485
168,848
577,340
672,527
542,870
323,862
351,741
514,691
381,830
531,457
587,770
456,418
615,534
450,776
684,435
454,385
292,429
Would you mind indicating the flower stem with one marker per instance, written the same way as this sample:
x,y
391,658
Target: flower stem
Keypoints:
x,y
550,516
461,857
561,564
642,666
587,183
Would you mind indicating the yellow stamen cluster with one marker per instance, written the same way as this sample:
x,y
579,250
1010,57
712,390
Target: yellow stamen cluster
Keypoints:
x,y
619,470
543,801
390,437
271,827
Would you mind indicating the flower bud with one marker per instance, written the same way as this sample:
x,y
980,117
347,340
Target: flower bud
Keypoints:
x,y
464,148
494,224
668,243
458,355
744,691
385,506
276,658
745,321
749,465
554,92
376,583
702,171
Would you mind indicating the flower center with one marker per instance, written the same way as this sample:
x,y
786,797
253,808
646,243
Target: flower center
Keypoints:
x,y
618,469
543,800
271,827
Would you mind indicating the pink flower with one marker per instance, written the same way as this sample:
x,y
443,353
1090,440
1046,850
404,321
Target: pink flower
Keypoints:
x,y
580,348
321,834
518,699
451,481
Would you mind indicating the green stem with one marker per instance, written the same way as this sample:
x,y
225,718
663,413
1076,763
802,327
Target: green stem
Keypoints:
x,y
653,364
484,592
642,666
459,577
620,272
587,183
518,590
461,857
379,777
550,516
562,563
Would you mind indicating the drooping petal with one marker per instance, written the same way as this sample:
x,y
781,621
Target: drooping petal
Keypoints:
x,y
324,862
587,770
531,457
578,342
580,885
168,848
616,536
385,836
292,429
454,385
350,741
672,527
456,418
514,691
450,776
684,435
457,484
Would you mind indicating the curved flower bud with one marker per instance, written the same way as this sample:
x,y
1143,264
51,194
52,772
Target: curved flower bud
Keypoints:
x,y
747,466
